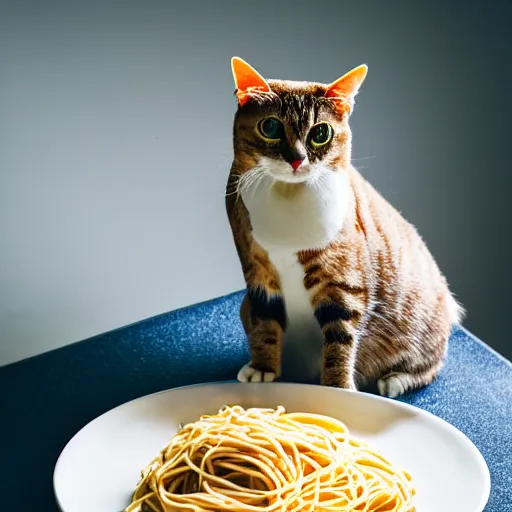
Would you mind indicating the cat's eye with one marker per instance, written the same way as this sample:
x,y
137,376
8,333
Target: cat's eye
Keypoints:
x,y
270,129
320,135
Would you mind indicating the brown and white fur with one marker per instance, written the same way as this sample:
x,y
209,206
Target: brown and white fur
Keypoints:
x,y
340,287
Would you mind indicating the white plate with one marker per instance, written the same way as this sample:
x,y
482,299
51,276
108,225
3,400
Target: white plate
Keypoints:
x,y
100,467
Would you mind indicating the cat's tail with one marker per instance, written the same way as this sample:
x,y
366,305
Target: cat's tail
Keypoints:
x,y
455,310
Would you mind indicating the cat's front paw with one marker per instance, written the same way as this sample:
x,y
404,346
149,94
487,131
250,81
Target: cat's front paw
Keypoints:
x,y
394,384
249,374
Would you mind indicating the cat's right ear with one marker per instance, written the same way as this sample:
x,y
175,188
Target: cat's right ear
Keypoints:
x,y
247,80
344,90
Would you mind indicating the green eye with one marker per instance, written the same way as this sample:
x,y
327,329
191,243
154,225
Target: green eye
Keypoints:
x,y
320,135
270,129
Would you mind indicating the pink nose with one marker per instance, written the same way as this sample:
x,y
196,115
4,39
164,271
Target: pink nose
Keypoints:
x,y
295,164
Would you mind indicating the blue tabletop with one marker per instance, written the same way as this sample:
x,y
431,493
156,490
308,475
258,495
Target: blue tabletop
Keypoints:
x,y
46,399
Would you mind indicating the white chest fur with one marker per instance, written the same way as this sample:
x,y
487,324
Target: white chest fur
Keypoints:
x,y
299,216
286,219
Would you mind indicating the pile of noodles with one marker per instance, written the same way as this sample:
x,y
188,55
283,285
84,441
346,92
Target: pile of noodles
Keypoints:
x,y
267,460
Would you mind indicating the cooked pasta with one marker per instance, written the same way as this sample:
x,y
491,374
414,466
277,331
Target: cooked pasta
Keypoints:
x,y
267,460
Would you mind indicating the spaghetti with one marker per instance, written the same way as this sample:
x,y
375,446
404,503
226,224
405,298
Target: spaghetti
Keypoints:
x,y
267,460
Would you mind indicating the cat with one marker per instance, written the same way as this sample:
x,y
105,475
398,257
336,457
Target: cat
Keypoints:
x,y
341,289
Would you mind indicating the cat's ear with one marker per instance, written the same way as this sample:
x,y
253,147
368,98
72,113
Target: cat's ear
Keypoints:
x,y
344,90
247,80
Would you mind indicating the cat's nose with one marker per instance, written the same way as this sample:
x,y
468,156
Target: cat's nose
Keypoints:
x,y
296,163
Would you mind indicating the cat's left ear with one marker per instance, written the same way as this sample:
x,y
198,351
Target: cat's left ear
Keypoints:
x,y
247,80
344,90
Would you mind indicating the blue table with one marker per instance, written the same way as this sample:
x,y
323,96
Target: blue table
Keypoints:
x,y
46,399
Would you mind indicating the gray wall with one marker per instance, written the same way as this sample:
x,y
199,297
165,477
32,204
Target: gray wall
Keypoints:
x,y
115,141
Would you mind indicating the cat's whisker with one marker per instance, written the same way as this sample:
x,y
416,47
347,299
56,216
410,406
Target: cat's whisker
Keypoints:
x,y
257,181
260,176
234,180
362,158
244,182
249,179
233,187
248,184
318,184
228,194
244,178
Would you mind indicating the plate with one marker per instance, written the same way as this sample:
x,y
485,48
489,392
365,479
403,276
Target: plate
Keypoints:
x,y
100,467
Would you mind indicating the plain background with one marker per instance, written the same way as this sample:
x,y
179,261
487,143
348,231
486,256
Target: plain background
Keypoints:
x,y
115,144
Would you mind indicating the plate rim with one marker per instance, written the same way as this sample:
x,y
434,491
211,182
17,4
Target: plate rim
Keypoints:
x,y
370,396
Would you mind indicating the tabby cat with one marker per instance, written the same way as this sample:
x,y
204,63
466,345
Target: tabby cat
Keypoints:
x,y
341,289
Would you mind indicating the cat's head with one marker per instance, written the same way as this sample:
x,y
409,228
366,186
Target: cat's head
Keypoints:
x,y
294,130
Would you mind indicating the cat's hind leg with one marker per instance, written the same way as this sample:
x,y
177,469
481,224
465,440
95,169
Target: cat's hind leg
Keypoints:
x,y
397,383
